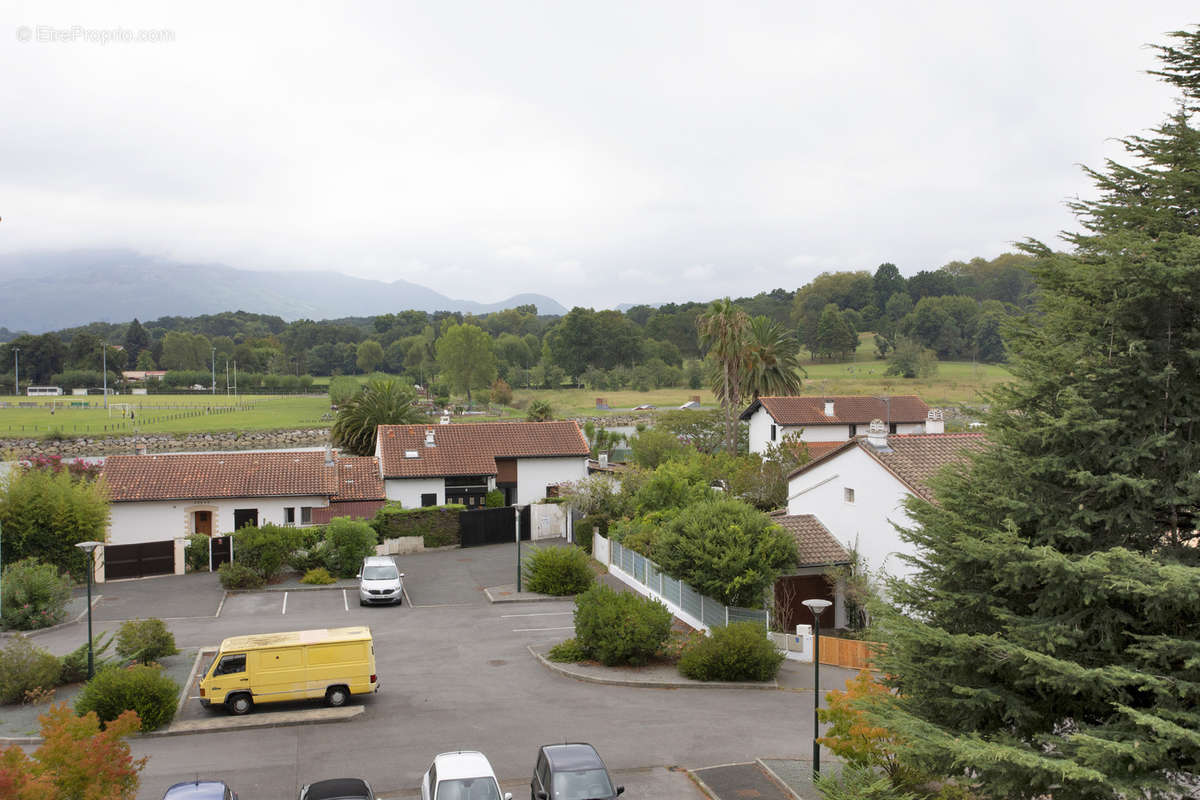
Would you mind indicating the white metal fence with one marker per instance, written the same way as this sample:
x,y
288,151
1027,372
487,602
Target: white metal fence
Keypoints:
x,y
644,576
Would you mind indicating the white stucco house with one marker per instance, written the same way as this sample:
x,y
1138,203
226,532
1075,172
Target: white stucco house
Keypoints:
x,y
834,418
857,491
157,501
428,465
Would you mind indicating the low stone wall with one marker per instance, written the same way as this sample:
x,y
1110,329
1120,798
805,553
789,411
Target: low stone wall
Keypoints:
x,y
165,443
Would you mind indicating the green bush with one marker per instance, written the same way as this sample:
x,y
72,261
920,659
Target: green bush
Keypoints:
x,y
740,651
145,640
584,530
141,688
569,651
25,667
35,595
494,499
438,525
557,570
858,782
196,552
620,627
318,577
235,575
266,549
347,543
75,663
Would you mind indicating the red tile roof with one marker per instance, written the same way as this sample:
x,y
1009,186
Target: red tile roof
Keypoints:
x,y
358,479
847,409
187,476
912,458
472,448
815,545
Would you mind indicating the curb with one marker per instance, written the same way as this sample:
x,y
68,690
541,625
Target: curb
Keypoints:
x,y
191,678
30,634
682,683
775,777
495,594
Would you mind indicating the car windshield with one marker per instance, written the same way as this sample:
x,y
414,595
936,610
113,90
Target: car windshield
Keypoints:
x,y
381,573
468,789
582,784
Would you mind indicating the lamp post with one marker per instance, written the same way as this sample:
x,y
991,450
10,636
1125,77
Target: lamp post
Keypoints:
x,y
816,607
90,548
214,370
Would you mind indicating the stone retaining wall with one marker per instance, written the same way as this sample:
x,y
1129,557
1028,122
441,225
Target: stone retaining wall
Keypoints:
x,y
166,443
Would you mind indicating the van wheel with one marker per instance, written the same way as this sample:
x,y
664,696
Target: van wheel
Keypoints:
x,y
337,696
239,704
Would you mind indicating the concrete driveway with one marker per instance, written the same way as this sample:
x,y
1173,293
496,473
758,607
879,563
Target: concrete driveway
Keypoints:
x,y
455,674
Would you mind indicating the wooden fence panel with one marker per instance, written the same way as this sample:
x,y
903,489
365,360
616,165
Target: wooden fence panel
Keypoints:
x,y
849,653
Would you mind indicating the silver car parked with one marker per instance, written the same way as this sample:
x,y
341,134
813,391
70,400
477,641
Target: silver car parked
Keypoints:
x,y
379,581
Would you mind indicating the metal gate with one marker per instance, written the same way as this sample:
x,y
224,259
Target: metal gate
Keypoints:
x,y
489,526
219,548
139,560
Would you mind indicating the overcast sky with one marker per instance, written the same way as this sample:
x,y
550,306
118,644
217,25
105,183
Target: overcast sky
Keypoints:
x,y
595,152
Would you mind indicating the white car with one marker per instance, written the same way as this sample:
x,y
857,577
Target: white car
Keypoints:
x,y
463,775
379,581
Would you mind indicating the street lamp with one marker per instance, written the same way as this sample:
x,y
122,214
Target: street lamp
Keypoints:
x,y
816,607
90,548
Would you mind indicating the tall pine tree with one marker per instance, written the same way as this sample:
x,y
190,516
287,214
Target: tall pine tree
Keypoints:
x,y
1049,645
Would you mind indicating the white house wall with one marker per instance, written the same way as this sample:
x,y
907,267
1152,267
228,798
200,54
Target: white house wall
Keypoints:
x,y
760,430
865,524
535,474
408,491
155,521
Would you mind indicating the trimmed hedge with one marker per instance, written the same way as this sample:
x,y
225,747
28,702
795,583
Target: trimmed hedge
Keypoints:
x,y
740,651
557,571
620,627
145,640
437,524
143,689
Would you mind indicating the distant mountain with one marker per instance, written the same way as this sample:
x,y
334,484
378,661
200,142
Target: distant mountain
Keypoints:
x,y
51,290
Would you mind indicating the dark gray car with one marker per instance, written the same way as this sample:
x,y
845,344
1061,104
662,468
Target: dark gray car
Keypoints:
x,y
200,790
338,789
571,772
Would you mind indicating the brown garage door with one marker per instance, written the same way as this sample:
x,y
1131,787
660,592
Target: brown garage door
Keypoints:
x,y
139,560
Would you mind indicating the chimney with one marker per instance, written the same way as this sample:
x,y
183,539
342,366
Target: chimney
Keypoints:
x,y
829,408
877,435
935,421
429,438
328,456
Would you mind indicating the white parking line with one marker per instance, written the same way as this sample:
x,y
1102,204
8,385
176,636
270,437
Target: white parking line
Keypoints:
x,y
345,602
284,610
524,630
538,614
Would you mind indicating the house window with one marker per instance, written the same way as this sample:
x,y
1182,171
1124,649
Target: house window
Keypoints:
x,y
429,499
289,515
848,494
772,433
891,427
853,430
306,515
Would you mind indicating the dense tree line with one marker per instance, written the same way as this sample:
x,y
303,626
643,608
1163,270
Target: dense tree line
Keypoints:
x,y
957,312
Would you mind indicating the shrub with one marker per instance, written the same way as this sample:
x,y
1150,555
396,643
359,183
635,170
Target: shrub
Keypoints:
x,y
266,549
857,782
35,595
318,577
75,663
437,525
347,543
620,627
494,499
238,576
139,688
567,651
145,640
740,651
557,570
583,534
196,552
25,667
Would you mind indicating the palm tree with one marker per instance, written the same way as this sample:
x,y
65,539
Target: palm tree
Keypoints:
x,y
772,365
380,402
723,328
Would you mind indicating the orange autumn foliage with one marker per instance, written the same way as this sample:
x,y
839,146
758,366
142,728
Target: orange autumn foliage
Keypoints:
x,y
851,734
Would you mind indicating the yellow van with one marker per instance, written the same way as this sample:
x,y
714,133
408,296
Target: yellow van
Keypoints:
x,y
333,663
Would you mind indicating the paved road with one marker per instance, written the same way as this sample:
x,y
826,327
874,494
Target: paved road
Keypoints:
x,y
455,675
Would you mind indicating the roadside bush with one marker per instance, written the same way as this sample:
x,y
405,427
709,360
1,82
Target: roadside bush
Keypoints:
x,y
567,651
494,499
620,627
145,640
196,553
25,667
266,549
557,570
347,543
74,663
318,577
235,575
139,688
740,651
584,530
35,595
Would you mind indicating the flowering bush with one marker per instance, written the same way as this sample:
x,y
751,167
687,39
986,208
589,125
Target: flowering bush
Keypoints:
x,y
35,595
